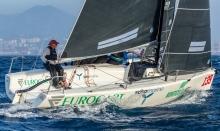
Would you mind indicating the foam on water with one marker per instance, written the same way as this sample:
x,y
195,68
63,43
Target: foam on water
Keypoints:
x,y
104,112
18,111
3,95
191,97
195,109
128,103
95,112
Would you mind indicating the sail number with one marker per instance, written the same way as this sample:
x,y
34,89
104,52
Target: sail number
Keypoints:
x,y
207,80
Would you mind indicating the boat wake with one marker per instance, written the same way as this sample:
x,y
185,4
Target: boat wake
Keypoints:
x,y
104,112
17,111
191,97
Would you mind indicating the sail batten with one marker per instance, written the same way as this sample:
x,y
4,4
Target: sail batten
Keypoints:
x,y
118,39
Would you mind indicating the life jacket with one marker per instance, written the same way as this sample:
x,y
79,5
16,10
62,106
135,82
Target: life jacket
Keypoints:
x,y
53,54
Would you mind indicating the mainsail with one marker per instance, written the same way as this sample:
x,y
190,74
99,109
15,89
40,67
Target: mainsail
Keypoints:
x,y
181,28
186,44
106,26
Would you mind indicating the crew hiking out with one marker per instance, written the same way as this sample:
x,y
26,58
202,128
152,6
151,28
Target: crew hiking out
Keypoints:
x,y
51,63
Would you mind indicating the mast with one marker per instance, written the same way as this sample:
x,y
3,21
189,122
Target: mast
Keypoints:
x,y
160,30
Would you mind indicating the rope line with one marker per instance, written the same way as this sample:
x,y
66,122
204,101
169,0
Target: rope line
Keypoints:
x,y
109,74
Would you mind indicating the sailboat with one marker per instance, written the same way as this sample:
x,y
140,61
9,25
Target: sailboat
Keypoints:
x,y
174,33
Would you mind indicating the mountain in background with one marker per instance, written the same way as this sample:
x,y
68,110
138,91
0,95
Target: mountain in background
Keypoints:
x,y
39,21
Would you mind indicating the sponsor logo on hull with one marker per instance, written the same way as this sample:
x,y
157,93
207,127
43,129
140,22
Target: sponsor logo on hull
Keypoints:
x,y
149,90
30,82
91,76
87,100
207,80
55,100
79,75
145,97
20,82
177,92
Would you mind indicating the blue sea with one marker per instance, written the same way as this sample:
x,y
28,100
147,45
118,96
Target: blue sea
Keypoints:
x,y
198,110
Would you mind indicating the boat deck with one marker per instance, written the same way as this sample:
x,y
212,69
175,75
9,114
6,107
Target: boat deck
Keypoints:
x,y
171,87
117,86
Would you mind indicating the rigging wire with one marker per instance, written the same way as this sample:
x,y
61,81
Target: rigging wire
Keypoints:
x,y
167,46
34,64
168,41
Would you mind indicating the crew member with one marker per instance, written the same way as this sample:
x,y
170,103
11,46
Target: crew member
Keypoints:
x,y
51,63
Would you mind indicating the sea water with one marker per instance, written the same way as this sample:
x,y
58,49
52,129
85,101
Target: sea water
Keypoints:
x,y
195,110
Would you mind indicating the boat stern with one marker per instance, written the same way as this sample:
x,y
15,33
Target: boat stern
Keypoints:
x,y
9,92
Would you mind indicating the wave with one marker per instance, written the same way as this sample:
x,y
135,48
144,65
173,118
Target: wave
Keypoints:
x,y
105,112
3,95
191,97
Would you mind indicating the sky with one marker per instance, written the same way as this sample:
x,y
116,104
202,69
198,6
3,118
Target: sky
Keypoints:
x,y
215,20
73,7
9,7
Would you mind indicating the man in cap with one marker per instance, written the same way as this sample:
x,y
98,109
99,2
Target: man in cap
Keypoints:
x,y
51,63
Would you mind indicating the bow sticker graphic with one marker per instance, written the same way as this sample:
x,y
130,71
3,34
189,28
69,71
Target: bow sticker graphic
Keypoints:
x,y
20,82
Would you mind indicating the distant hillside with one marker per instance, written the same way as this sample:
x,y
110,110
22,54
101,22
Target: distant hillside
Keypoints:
x,y
36,22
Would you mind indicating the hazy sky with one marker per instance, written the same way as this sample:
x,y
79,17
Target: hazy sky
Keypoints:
x,y
74,6
19,6
215,20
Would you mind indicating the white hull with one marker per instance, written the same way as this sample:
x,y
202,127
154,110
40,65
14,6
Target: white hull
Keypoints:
x,y
100,84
